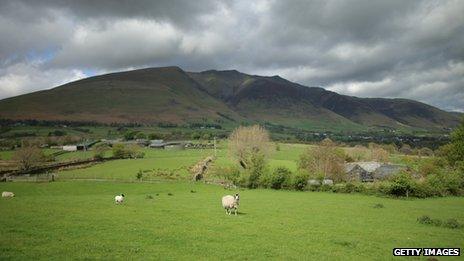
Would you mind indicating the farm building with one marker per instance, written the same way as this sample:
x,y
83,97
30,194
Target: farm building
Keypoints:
x,y
81,146
160,144
370,171
157,144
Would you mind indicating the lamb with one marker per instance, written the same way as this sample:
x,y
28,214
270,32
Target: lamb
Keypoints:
x,y
230,202
7,194
119,199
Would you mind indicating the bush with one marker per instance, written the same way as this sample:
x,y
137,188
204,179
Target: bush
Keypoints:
x,y
256,168
121,151
446,183
155,136
130,135
424,220
423,190
402,184
299,181
57,133
99,151
231,174
449,223
454,152
139,175
140,135
278,179
452,223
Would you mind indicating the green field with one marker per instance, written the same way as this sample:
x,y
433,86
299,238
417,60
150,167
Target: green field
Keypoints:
x,y
79,220
76,217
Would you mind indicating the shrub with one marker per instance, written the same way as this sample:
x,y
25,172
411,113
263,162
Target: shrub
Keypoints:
x,y
454,152
139,175
195,135
155,136
424,190
424,219
256,168
229,173
402,184
130,135
121,151
299,180
446,183
452,223
140,135
277,179
429,221
99,151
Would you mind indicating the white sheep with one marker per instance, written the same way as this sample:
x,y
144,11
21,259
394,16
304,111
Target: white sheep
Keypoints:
x,y
230,202
7,194
119,199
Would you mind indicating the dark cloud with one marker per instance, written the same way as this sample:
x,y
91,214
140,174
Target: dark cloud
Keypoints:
x,y
412,49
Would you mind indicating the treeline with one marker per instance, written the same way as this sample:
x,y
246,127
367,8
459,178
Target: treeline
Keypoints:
x,y
322,168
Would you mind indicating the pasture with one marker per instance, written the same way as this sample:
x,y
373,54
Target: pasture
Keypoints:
x,y
172,219
79,220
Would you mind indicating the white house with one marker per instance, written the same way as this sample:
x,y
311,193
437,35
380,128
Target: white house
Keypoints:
x,y
70,147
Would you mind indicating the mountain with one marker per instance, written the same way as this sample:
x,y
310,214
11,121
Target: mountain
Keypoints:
x,y
169,94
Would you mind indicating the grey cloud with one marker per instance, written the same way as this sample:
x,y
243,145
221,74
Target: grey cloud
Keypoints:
x,y
366,48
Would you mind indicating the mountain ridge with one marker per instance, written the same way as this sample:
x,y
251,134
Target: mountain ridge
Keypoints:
x,y
170,94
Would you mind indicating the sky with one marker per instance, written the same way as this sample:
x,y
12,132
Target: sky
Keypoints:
x,y
366,48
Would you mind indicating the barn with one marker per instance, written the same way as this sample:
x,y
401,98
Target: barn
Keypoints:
x,y
371,170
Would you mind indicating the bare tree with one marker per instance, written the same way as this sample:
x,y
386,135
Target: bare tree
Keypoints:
x,y
28,157
244,142
324,160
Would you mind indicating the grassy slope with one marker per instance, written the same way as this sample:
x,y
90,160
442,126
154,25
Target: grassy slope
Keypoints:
x,y
149,95
79,220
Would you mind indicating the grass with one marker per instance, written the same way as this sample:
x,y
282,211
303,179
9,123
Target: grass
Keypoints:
x,y
79,220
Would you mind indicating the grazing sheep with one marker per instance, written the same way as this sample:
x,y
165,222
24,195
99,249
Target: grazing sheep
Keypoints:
x,y
119,199
230,202
7,194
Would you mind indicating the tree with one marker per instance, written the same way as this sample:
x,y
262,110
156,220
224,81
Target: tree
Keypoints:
x,y
155,136
244,142
121,151
326,160
99,151
140,135
250,146
28,157
454,151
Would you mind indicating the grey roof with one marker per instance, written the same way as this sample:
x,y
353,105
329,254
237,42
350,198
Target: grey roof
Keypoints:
x,y
369,166
370,170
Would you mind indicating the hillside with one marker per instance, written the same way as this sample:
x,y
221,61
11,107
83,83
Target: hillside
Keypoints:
x,y
169,94
144,96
